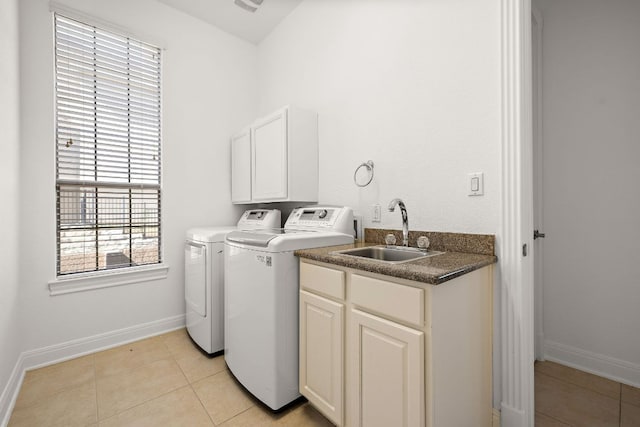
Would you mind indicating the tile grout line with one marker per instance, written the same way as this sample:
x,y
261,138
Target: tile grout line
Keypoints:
x,y
579,385
237,415
189,383
142,403
620,408
39,402
137,367
554,418
95,382
175,360
202,405
631,401
587,389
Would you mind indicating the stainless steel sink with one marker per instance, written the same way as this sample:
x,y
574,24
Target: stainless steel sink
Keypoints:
x,y
390,254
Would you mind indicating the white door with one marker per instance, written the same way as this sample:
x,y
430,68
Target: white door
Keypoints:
x,y
321,351
269,160
387,373
241,167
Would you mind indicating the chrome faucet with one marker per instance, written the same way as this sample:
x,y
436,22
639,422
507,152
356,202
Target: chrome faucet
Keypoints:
x,y
405,219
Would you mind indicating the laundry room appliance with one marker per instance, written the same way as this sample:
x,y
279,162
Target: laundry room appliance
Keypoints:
x,y
203,274
261,298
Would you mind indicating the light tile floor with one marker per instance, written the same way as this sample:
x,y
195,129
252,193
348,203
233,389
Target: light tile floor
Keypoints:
x,y
568,397
167,381
160,381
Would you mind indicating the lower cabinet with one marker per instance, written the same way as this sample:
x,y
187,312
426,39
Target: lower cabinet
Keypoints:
x,y
321,354
378,351
387,373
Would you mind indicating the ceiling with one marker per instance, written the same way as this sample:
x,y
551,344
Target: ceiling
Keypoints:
x,y
224,14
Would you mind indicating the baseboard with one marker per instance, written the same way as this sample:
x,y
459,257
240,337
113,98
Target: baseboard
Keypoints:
x,y
539,347
71,349
594,363
38,358
512,417
10,392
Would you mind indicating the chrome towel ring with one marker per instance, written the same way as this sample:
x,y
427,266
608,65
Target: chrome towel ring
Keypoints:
x,y
369,166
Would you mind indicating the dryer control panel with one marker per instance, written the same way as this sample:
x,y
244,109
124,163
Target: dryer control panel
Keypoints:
x,y
325,218
259,219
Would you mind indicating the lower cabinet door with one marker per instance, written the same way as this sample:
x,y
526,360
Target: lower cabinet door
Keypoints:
x,y
386,366
321,354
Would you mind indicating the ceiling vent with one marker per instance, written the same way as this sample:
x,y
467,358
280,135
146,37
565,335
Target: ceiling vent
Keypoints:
x,y
249,5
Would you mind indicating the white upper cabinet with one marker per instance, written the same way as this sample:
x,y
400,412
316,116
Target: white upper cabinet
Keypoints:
x,y
283,159
269,160
241,167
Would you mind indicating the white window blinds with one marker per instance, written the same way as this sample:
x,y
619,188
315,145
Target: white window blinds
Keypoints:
x,y
107,149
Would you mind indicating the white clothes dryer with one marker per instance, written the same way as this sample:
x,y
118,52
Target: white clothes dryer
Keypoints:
x,y
261,299
203,276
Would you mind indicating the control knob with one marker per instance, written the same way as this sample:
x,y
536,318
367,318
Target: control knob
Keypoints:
x,y
423,243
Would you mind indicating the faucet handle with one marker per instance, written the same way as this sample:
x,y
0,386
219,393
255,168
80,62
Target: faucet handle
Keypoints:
x,y
390,239
423,242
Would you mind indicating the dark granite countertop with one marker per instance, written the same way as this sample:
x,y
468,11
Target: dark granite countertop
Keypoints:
x,y
431,270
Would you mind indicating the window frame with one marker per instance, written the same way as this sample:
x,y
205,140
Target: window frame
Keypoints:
x,y
106,277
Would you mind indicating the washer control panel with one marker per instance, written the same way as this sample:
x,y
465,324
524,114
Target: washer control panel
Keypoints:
x,y
321,218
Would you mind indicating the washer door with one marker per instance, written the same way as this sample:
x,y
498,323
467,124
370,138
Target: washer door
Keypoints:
x,y
195,277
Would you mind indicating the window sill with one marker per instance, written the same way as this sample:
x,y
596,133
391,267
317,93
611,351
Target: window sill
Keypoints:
x,y
106,279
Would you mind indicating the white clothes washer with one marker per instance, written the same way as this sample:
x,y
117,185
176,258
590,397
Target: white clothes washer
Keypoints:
x,y
203,276
261,299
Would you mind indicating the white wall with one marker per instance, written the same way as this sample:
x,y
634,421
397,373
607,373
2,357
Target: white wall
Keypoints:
x,y
209,91
10,328
412,85
591,111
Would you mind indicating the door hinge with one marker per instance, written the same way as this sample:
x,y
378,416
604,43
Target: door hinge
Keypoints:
x,y
524,250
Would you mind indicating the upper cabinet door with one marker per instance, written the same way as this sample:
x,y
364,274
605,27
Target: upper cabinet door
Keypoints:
x,y
241,167
270,141
282,159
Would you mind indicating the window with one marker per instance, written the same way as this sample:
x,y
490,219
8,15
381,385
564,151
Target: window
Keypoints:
x,y
108,164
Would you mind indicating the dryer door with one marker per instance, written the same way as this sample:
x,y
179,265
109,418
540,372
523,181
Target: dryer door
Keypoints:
x,y
195,277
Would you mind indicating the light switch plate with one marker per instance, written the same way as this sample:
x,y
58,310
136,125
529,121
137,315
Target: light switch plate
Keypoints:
x,y
476,184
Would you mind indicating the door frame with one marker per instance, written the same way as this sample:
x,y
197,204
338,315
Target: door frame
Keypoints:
x,y
516,243
538,193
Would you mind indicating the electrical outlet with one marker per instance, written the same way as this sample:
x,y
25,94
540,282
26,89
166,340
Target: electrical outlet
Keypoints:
x,y
376,213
